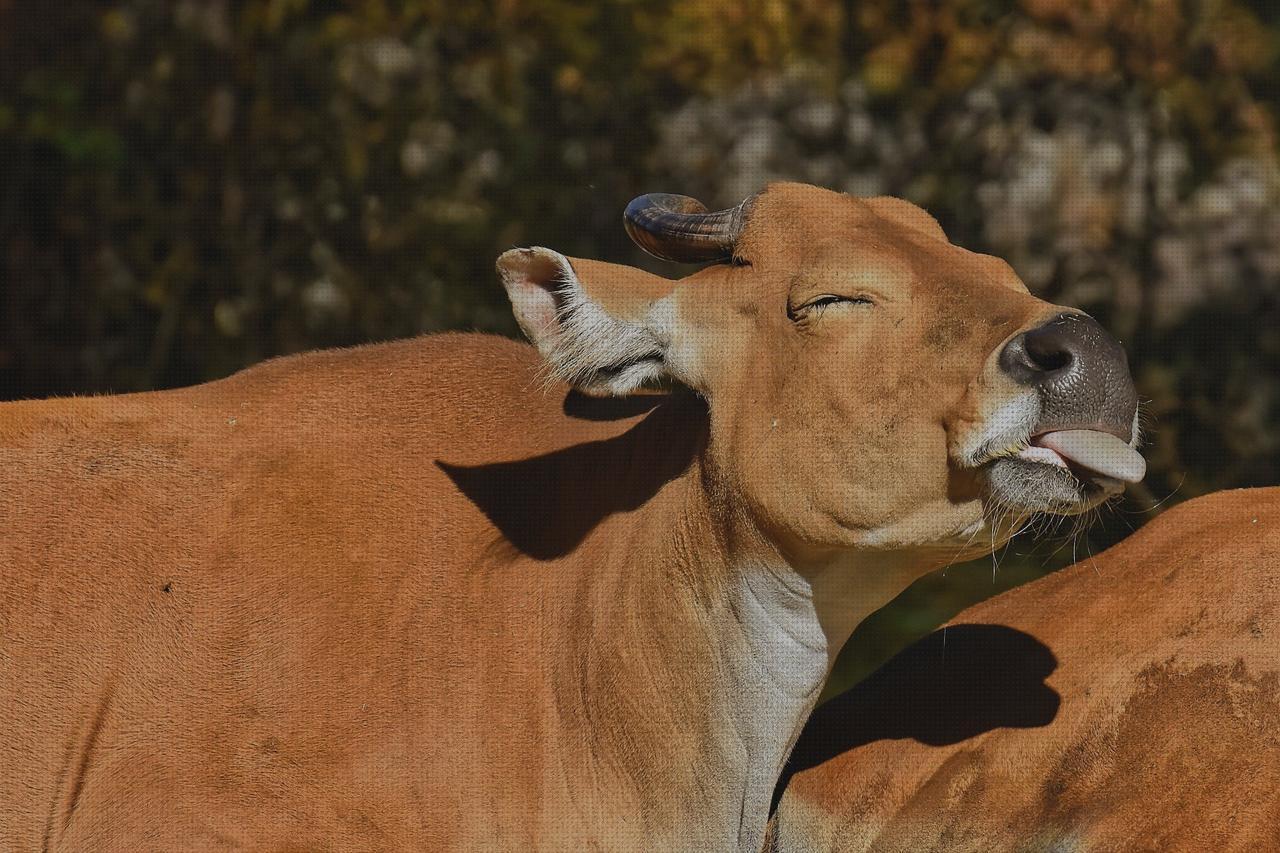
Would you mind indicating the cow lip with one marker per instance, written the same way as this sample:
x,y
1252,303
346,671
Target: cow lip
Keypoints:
x,y
1121,431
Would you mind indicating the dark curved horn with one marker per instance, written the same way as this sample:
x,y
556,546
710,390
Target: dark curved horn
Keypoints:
x,y
679,228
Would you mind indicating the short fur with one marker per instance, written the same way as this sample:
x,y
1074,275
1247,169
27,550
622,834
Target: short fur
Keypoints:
x,y
1130,702
415,596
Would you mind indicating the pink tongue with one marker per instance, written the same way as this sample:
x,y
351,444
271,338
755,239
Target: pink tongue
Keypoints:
x,y
1100,452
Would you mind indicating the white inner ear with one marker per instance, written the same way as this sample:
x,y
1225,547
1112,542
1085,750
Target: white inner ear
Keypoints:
x,y
583,344
532,277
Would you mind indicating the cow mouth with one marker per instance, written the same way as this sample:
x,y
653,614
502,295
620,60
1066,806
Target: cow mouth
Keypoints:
x,y
1090,454
1064,471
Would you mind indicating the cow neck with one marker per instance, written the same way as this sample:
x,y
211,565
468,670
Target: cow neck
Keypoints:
x,y
793,617
752,633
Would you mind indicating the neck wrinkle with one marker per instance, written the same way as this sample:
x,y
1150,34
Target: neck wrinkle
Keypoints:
x,y
703,631
772,654
707,651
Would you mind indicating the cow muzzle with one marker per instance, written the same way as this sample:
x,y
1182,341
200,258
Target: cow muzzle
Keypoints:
x,y
1077,445
1080,373
1088,403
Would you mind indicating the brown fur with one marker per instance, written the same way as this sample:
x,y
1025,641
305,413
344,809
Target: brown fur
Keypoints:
x,y
1163,729
412,596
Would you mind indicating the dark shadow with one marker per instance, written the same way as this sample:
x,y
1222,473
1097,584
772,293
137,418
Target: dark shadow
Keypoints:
x,y
546,505
587,408
956,683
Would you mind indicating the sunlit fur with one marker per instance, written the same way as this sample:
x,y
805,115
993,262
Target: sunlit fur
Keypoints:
x,y
420,596
1132,703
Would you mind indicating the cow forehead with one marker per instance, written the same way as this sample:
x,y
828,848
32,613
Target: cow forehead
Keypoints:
x,y
782,211
814,232
854,266
786,219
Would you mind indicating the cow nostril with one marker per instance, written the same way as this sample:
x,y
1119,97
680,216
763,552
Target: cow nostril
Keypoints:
x,y
1048,352
1079,372
1058,347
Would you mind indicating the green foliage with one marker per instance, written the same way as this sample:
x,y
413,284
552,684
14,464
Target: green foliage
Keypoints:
x,y
192,187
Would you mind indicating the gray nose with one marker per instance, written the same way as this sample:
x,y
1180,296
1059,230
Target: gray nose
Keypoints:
x,y
1080,372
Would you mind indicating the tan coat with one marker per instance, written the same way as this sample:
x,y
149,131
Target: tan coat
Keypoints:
x,y
1128,703
422,596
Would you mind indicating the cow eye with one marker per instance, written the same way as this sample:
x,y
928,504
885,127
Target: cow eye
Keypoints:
x,y
829,299
814,307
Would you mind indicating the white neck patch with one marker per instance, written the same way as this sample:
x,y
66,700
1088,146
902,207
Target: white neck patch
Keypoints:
x,y
793,626
778,676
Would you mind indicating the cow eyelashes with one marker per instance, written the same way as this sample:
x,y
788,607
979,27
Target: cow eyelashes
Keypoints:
x,y
828,299
816,306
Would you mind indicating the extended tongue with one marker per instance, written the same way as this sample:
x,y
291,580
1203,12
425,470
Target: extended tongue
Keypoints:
x,y
1100,452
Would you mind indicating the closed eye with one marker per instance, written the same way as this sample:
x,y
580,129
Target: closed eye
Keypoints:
x,y
821,303
830,299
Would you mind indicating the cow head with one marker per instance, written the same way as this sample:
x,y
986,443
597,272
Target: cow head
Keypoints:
x,y
869,383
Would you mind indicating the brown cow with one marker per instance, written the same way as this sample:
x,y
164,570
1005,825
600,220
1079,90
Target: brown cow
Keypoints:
x,y
1130,702
423,596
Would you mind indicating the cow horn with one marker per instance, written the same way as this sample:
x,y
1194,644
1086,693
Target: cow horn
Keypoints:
x,y
680,228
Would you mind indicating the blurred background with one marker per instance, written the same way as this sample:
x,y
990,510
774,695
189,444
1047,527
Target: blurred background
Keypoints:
x,y
190,186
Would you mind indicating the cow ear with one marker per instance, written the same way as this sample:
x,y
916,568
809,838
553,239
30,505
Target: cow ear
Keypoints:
x,y
603,328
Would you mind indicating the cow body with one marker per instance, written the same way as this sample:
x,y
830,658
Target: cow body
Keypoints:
x,y
265,611
1130,702
424,595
